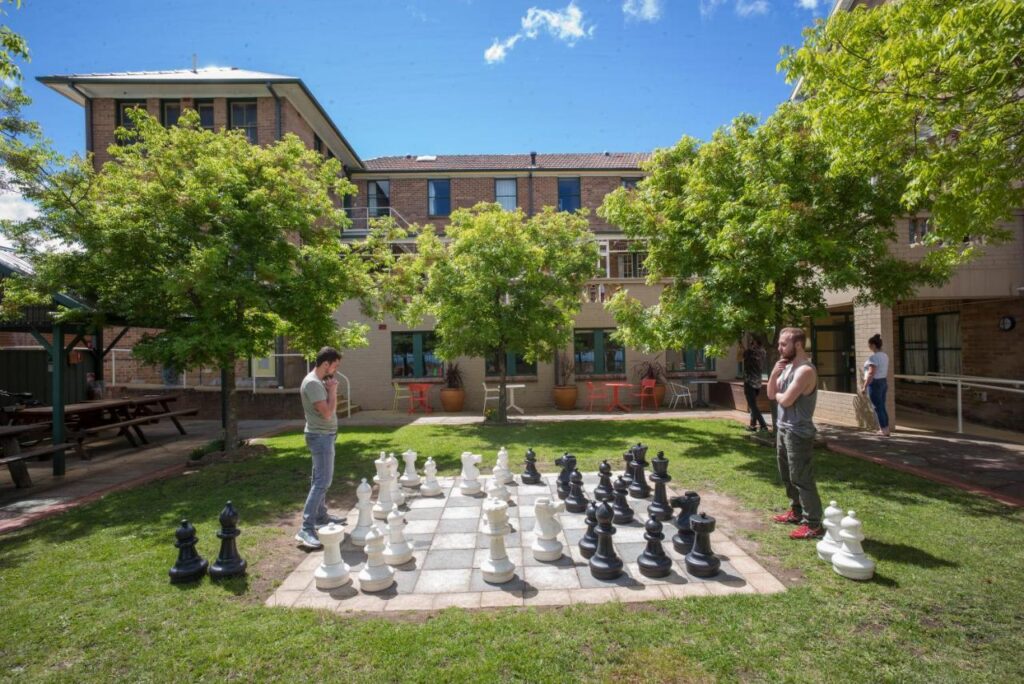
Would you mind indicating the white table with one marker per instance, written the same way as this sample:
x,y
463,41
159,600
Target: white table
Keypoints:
x,y
701,389
512,396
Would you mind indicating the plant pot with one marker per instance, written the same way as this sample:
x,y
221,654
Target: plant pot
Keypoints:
x,y
565,397
453,399
659,395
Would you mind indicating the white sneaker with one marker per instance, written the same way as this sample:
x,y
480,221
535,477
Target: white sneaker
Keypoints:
x,y
308,539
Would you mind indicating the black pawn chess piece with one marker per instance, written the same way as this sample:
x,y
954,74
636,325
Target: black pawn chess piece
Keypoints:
x,y
588,542
702,561
687,504
627,473
605,564
639,489
623,511
229,563
654,562
576,501
190,566
603,491
530,475
660,507
568,463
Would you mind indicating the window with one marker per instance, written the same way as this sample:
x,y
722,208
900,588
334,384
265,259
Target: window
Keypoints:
x,y
318,144
931,344
378,198
243,116
439,197
630,183
568,194
505,193
692,359
205,110
170,110
631,265
515,364
123,106
597,354
919,227
412,355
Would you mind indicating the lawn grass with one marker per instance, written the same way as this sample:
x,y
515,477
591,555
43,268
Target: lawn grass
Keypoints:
x,y
85,597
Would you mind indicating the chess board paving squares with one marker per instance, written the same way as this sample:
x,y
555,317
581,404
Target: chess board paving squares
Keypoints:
x,y
419,542
421,527
534,490
477,583
628,534
449,559
462,513
461,501
410,602
427,502
564,561
513,539
405,582
547,577
514,555
282,599
425,514
573,521
448,581
602,595
628,551
458,525
528,500
362,602
298,580
469,599
639,593
501,599
745,564
455,540
573,536
588,581
547,597
676,576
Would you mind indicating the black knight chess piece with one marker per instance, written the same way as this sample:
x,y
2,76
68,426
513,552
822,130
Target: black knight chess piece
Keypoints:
x,y
588,542
639,489
576,501
702,561
568,463
605,564
687,504
603,491
530,475
229,563
627,473
654,562
660,507
190,566
620,506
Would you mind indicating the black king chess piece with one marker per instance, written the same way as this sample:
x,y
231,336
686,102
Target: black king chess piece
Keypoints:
x,y
687,504
639,489
229,563
576,500
603,491
654,562
530,475
627,473
605,564
620,506
660,507
702,561
568,463
190,566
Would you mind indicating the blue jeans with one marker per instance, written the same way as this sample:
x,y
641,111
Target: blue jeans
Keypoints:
x,y
321,446
877,389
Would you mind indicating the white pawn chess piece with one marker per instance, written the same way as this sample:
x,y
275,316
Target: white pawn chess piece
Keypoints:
x,y
409,479
397,495
850,560
384,500
470,477
546,546
497,490
830,543
397,550
376,575
365,507
333,571
501,471
497,568
431,487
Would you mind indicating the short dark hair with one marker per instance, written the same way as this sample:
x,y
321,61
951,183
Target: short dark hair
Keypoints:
x,y
797,334
327,355
876,340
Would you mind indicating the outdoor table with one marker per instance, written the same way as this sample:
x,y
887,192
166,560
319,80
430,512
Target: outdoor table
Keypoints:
x,y
512,396
702,384
10,446
143,406
418,396
616,403
87,414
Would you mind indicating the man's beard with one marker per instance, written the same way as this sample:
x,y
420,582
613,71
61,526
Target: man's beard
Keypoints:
x,y
789,356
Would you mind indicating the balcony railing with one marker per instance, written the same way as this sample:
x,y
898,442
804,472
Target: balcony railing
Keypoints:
x,y
361,217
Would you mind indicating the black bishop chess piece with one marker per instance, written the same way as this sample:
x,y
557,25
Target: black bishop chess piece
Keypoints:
x,y
660,507
605,564
568,463
639,489
588,542
654,562
229,563
603,491
620,505
687,504
627,473
702,561
576,501
190,566
530,475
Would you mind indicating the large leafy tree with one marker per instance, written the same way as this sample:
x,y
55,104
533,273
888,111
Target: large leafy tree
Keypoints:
x,y
499,282
934,88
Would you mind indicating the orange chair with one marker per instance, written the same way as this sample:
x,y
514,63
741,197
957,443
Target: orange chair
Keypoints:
x,y
592,395
647,392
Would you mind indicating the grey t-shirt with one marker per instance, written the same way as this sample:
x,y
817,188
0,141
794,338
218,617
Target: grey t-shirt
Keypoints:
x,y
798,417
312,391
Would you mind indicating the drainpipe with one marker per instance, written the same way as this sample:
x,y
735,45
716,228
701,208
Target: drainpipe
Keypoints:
x,y
279,342
277,111
88,117
529,182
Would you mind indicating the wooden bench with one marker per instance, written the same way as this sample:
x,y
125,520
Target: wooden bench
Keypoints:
x,y
122,426
15,462
173,415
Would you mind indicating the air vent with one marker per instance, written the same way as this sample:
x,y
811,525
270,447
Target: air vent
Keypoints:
x,y
427,157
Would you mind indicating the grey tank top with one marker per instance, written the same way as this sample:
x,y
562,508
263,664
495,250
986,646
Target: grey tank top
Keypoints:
x,y
797,418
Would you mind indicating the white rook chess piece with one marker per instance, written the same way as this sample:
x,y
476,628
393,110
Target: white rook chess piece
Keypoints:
x,y
397,550
365,507
333,572
470,473
410,479
375,575
431,487
497,490
546,546
497,568
384,500
850,560
830,543
397,496
501,471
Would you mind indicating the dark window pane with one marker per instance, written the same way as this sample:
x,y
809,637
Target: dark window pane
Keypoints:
x,y
583,351
205,110
505,193
243,116
402,361
171,112
568,194
439,196
614,355
630,183
378,198
122,112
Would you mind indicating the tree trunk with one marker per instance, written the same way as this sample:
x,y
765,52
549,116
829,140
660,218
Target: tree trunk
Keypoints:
x,y
502,398
229,406
772,352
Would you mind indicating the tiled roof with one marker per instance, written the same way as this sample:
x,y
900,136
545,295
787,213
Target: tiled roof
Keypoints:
x,y
508,162
199,75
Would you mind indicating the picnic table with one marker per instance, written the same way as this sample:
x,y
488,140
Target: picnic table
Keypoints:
x,y
12,455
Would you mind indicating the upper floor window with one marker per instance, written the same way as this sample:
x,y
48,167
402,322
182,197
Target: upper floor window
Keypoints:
x,y
318,144
205,110
123,106
505,193
378,198
919,227
631,265
412,355
439,197
597,354
243,115
630,183
568,194
170,110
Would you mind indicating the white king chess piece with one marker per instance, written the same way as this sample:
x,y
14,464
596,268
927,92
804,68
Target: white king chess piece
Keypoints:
x,y
365,507
546,546
501,471
850,560
830,543
497,568
397,550
375,575
383,478
397,496
470,477
496,490
431,487
409,479
333,572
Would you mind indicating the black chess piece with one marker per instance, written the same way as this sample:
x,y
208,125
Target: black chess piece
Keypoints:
x,y
229,563
568,463
530,475
687,504
605,564
660,507
627,474
576,501
654,562
623,511
190,566
603,491
588,542
639,489
702,561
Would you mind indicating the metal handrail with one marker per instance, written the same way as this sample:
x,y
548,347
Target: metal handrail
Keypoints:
x,y
361,217
962,381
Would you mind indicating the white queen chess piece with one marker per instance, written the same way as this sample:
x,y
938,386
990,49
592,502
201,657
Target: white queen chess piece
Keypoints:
x,y
501,471
431,487
397,550
850,560
397,495
546,546
830,543
365,507
333,571
409,479
470,477
383,478
376,575
497,568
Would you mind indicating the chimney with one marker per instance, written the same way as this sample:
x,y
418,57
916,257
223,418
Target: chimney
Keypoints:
x,y
533,158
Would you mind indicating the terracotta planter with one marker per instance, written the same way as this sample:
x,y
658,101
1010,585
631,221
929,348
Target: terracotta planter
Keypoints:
x,y
453,399
565,397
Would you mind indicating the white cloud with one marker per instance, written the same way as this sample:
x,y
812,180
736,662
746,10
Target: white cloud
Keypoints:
x,y
14,207
807,4
566,25
707,7
644,10
748,8
498,49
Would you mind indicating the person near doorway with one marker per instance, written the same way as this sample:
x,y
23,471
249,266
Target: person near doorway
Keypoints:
x,y
876,382
753,367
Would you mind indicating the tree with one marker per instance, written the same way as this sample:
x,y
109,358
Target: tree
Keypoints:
x,y
934,88
499,282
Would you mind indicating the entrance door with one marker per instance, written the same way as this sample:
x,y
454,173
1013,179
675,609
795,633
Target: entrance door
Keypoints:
x,y
832,350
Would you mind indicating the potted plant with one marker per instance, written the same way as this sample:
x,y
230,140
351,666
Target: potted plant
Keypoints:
x,y
565,391
453,394
652,370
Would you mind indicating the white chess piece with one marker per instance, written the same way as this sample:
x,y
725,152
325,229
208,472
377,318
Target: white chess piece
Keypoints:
x,y
546,546
431,487
365,507
470,474
376,575
501,471
384,500
850,560
333,571
497,490
397,495
410,479
830,543
497,568
397,550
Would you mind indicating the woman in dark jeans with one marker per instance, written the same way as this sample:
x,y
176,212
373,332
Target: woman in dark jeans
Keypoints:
x,y
753,364
876,382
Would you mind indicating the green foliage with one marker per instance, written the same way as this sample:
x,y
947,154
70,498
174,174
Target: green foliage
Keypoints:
x,y
12,47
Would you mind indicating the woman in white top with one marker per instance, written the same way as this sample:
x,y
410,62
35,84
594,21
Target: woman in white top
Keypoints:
x,y
876,382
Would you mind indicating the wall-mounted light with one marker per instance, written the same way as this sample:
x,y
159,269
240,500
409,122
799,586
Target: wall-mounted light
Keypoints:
x,y
1007,323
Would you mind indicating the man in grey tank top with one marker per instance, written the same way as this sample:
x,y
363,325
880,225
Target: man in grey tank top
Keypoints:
x,y
794,386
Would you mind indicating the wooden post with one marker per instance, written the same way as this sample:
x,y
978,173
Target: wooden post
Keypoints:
x,y
58,358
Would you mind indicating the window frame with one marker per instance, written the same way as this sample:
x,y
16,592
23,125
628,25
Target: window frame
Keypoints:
x,y
122,105
374,210
419,338
433,197
578,195
163,112
254,126
515,193
629,182
199,105
511,366
601,338
932,347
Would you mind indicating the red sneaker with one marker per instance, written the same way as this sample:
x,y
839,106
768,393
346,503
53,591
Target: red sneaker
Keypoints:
x,y
788,518
807,532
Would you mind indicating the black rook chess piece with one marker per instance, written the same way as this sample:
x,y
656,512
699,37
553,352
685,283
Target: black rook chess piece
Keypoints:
x,y
576,501
190,566
627,474
588,542
702,561
568,463
660,507
623,511
229,563
687,504
530,475
654,562
639,489
605,564
603,490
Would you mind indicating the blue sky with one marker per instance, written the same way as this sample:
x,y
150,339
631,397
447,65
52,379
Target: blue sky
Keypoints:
x,y
448,76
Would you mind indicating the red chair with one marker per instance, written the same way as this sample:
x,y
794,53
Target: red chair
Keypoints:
x,y
647,392
592,395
